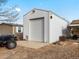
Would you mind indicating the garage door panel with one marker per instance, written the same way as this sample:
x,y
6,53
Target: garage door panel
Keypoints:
x,y
36,30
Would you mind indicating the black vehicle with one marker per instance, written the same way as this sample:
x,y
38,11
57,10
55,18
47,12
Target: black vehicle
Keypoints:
x,y
8,41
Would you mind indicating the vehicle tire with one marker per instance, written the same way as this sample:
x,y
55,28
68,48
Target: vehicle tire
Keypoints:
x,y
11,44
1,45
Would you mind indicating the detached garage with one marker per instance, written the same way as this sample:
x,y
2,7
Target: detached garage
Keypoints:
x,y
43,26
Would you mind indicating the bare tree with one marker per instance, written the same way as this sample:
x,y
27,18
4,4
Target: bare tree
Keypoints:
x,y
2,2
9,14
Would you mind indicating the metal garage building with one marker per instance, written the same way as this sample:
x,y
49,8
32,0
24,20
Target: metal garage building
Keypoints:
x,y
43,26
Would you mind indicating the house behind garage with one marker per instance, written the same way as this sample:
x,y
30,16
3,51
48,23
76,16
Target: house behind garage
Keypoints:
x,y
43,26
10,29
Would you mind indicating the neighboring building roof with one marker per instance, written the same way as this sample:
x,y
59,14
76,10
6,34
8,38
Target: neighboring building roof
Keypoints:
x,y
75,22
48,11
12,24
74,25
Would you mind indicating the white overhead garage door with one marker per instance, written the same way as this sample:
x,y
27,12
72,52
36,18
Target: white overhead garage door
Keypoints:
x,y
36,29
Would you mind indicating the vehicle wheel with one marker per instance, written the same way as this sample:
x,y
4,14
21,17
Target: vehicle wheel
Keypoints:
x,y
1,45
11,44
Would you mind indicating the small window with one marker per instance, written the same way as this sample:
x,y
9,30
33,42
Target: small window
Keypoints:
x,y
50,17
33,11
19,29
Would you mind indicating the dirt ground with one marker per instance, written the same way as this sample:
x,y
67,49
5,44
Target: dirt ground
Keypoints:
x,y
61,50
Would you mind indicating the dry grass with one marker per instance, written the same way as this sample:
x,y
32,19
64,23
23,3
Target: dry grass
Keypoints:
x,y
65,50
57,52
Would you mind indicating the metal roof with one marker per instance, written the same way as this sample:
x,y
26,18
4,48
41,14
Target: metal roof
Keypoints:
x,y
75,21
12,24
48,11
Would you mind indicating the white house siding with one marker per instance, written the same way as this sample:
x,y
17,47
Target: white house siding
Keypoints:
x,y
37,14
56,25
16,29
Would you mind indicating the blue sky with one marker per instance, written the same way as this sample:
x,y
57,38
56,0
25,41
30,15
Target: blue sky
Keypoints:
x,y
69,9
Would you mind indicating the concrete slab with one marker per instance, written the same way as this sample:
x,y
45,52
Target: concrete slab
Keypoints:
x,y
31,44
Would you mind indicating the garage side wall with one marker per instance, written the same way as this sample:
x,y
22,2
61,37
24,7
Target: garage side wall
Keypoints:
x,y
56,27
